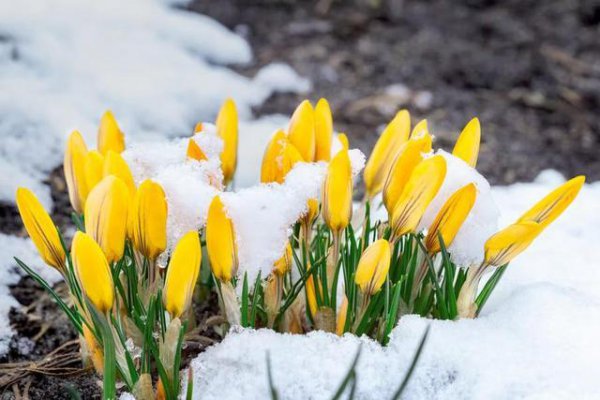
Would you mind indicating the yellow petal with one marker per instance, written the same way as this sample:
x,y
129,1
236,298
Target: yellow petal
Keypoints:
x,y
106,214
227,129
150,220
337,192
194,151
182,274
450,218
344,141
115,165
552,206
92,271
323,131
74,168
311,296
284,264
312,211
279,159
421,188
467,145
511,241
94,349
341,317
110,136
41,229
94,168
420,129
373,267
385,151
301,132
220,241
409,156
198,128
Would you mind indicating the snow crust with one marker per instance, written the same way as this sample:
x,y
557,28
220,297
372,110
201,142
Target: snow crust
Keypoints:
x,y
536,338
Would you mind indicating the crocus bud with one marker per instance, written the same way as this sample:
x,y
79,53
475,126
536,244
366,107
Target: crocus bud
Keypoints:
x,y
552,206
420,129
301,132
94,350
505,245
467,145
227,129
115,165
312,211
450,218
341,317
311,296
194,152
94,168
337,192
323,131
373,267
150,220
92,271
106,213
182,274
74,168
422,186
220,242
110,136
279,158
343,139
284,264
408,158
385,151
41,229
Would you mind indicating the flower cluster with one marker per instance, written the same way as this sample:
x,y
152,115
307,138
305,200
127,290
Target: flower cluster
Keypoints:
x,y
343,269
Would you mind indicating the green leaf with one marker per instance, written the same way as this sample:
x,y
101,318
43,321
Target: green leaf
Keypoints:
x,y
489,287
350,376
109,389
272,389
245,294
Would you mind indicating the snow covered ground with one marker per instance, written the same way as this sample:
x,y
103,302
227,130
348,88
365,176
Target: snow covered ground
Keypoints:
x,y
536,339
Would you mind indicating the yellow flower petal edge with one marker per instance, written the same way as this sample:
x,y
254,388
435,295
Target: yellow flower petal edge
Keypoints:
x,y
182,274
323,131
420,129
284,264
311,295
505,245
337,192
110,136
106,216
385,151
373,267
194,152
93,272
150,220
554,204
74,169
467,145
343,139
301,131
450,218
227,129
220,241
115,165
41,229
94,168
422,186
341,317
279,159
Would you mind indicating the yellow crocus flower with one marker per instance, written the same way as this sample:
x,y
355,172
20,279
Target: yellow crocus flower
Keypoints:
x,y
284,264
301,132
344,141
341,317
74,168
311,295
385,151
194,152
150,219
552,206
94,350
420,129
182,274
106,214
408,158
312,211
505,245
279,159
41,229
373,267
422,186
110,136
323,131
337,192
92,271
227,129
115,165
220,241
450,218
467,145
94,168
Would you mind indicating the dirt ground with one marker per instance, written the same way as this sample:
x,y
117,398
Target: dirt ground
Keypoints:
x,y
530,70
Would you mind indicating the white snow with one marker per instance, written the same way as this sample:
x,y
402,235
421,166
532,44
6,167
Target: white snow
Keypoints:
x,y
23,249
536,338
160,69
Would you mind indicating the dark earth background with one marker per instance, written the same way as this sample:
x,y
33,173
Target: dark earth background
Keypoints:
x,y
530,70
